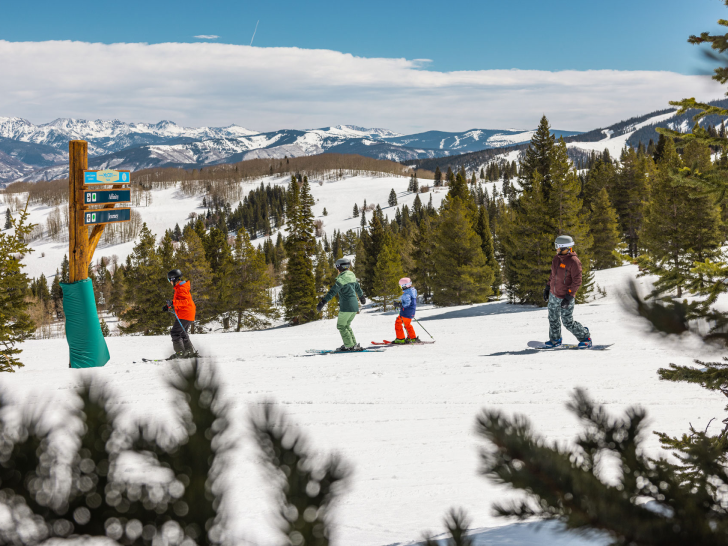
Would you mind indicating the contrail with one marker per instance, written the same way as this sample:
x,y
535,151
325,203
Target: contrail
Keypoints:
x,y
256,30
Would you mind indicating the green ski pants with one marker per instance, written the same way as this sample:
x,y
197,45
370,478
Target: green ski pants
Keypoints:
x,y
344,327
557,315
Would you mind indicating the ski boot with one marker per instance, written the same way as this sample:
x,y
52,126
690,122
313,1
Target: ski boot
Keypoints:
x,y
356,348
343,348
553,344
587,343
190,351
400,341
413,340
179,350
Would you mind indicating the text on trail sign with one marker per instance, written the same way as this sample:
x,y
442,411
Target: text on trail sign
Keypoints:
x,y
106,177
109,216
106,196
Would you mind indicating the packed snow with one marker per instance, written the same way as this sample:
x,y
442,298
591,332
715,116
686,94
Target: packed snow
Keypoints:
x,y
403,418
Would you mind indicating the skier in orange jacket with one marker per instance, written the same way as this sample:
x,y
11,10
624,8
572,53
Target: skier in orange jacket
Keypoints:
x,y
184,310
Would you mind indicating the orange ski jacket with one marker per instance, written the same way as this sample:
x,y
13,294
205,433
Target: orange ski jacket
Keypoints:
x,y
182,302
565,275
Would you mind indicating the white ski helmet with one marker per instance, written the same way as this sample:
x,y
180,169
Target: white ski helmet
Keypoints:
x,y
405,282
563,241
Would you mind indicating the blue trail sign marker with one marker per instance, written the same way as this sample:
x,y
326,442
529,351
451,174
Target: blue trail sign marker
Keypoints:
x,y
100,197
106,177
106,216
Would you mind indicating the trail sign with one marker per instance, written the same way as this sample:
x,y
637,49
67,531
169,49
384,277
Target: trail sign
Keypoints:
x,y
106,216
106,196
106,177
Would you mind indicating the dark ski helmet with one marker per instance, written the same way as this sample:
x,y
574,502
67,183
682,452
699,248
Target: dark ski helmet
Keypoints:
x,y
563,241
174,275
343,264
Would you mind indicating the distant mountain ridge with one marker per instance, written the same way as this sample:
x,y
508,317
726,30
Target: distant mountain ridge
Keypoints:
x,y
41,150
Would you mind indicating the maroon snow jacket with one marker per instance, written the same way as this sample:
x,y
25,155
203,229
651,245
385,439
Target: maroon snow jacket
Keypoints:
x,y
565,275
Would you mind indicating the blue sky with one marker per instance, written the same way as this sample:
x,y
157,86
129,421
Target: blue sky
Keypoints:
x,y
493,65
455,35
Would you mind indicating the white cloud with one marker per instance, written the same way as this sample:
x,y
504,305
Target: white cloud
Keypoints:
x,y
273,88
207,36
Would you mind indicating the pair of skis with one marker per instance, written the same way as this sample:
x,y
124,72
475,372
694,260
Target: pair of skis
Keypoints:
x,y
378,347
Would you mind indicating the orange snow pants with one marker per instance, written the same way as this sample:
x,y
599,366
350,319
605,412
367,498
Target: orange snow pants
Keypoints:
x,y
407,324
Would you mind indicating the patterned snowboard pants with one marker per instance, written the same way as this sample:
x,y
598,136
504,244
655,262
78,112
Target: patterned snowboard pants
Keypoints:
x,y
557,315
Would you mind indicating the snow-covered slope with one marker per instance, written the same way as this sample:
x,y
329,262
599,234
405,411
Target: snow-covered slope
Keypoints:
x,y
171,206
405,418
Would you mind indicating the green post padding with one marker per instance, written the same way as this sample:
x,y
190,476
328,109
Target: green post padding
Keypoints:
x,y
83,331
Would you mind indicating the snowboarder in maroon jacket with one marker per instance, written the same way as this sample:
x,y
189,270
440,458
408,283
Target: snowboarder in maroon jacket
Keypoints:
x,y
560,291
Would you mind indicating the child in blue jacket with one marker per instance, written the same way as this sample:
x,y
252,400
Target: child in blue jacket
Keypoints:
x,y
407,306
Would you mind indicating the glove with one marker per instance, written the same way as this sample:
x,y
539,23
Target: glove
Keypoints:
x,y
165,308
320,306
546,292
398,305
566,301
363,300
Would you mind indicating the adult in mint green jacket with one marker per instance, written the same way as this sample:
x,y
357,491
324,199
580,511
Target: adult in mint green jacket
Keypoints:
x,y
350,294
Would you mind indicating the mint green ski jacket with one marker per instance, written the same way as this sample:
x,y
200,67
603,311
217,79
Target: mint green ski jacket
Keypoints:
x,y
348,290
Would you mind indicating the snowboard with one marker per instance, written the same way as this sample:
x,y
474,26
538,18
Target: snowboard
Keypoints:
x,y
386,343
338,352
566,347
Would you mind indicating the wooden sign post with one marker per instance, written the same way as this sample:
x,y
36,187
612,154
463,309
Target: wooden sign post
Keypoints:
x,y
86,342
81,194
77,230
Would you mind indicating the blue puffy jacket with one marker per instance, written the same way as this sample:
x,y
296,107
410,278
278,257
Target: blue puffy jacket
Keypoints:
x,y
409,302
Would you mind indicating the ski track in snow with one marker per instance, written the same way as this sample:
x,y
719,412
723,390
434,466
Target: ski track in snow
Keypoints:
x,y
403,418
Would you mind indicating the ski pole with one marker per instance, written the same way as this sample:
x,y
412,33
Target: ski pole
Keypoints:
x,y
420,325
187,337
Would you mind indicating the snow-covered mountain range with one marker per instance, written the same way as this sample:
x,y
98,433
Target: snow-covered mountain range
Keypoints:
x,y
39,152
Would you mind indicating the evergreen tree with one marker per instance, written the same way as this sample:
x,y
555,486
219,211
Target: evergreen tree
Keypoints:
x,y
680,228
299,284
438,177
15,324
57,296
356,211
423,260
191,260
387,272
8,219
631,191
325,275
527,235
461,274
605,231
149,279
117,297
307,485
64,269
537,158
601,176
373,244
363,221
392,201
566,213
250,297
482,228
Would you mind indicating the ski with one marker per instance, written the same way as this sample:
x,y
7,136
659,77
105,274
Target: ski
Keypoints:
x,y
386,343
567,347
336,351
